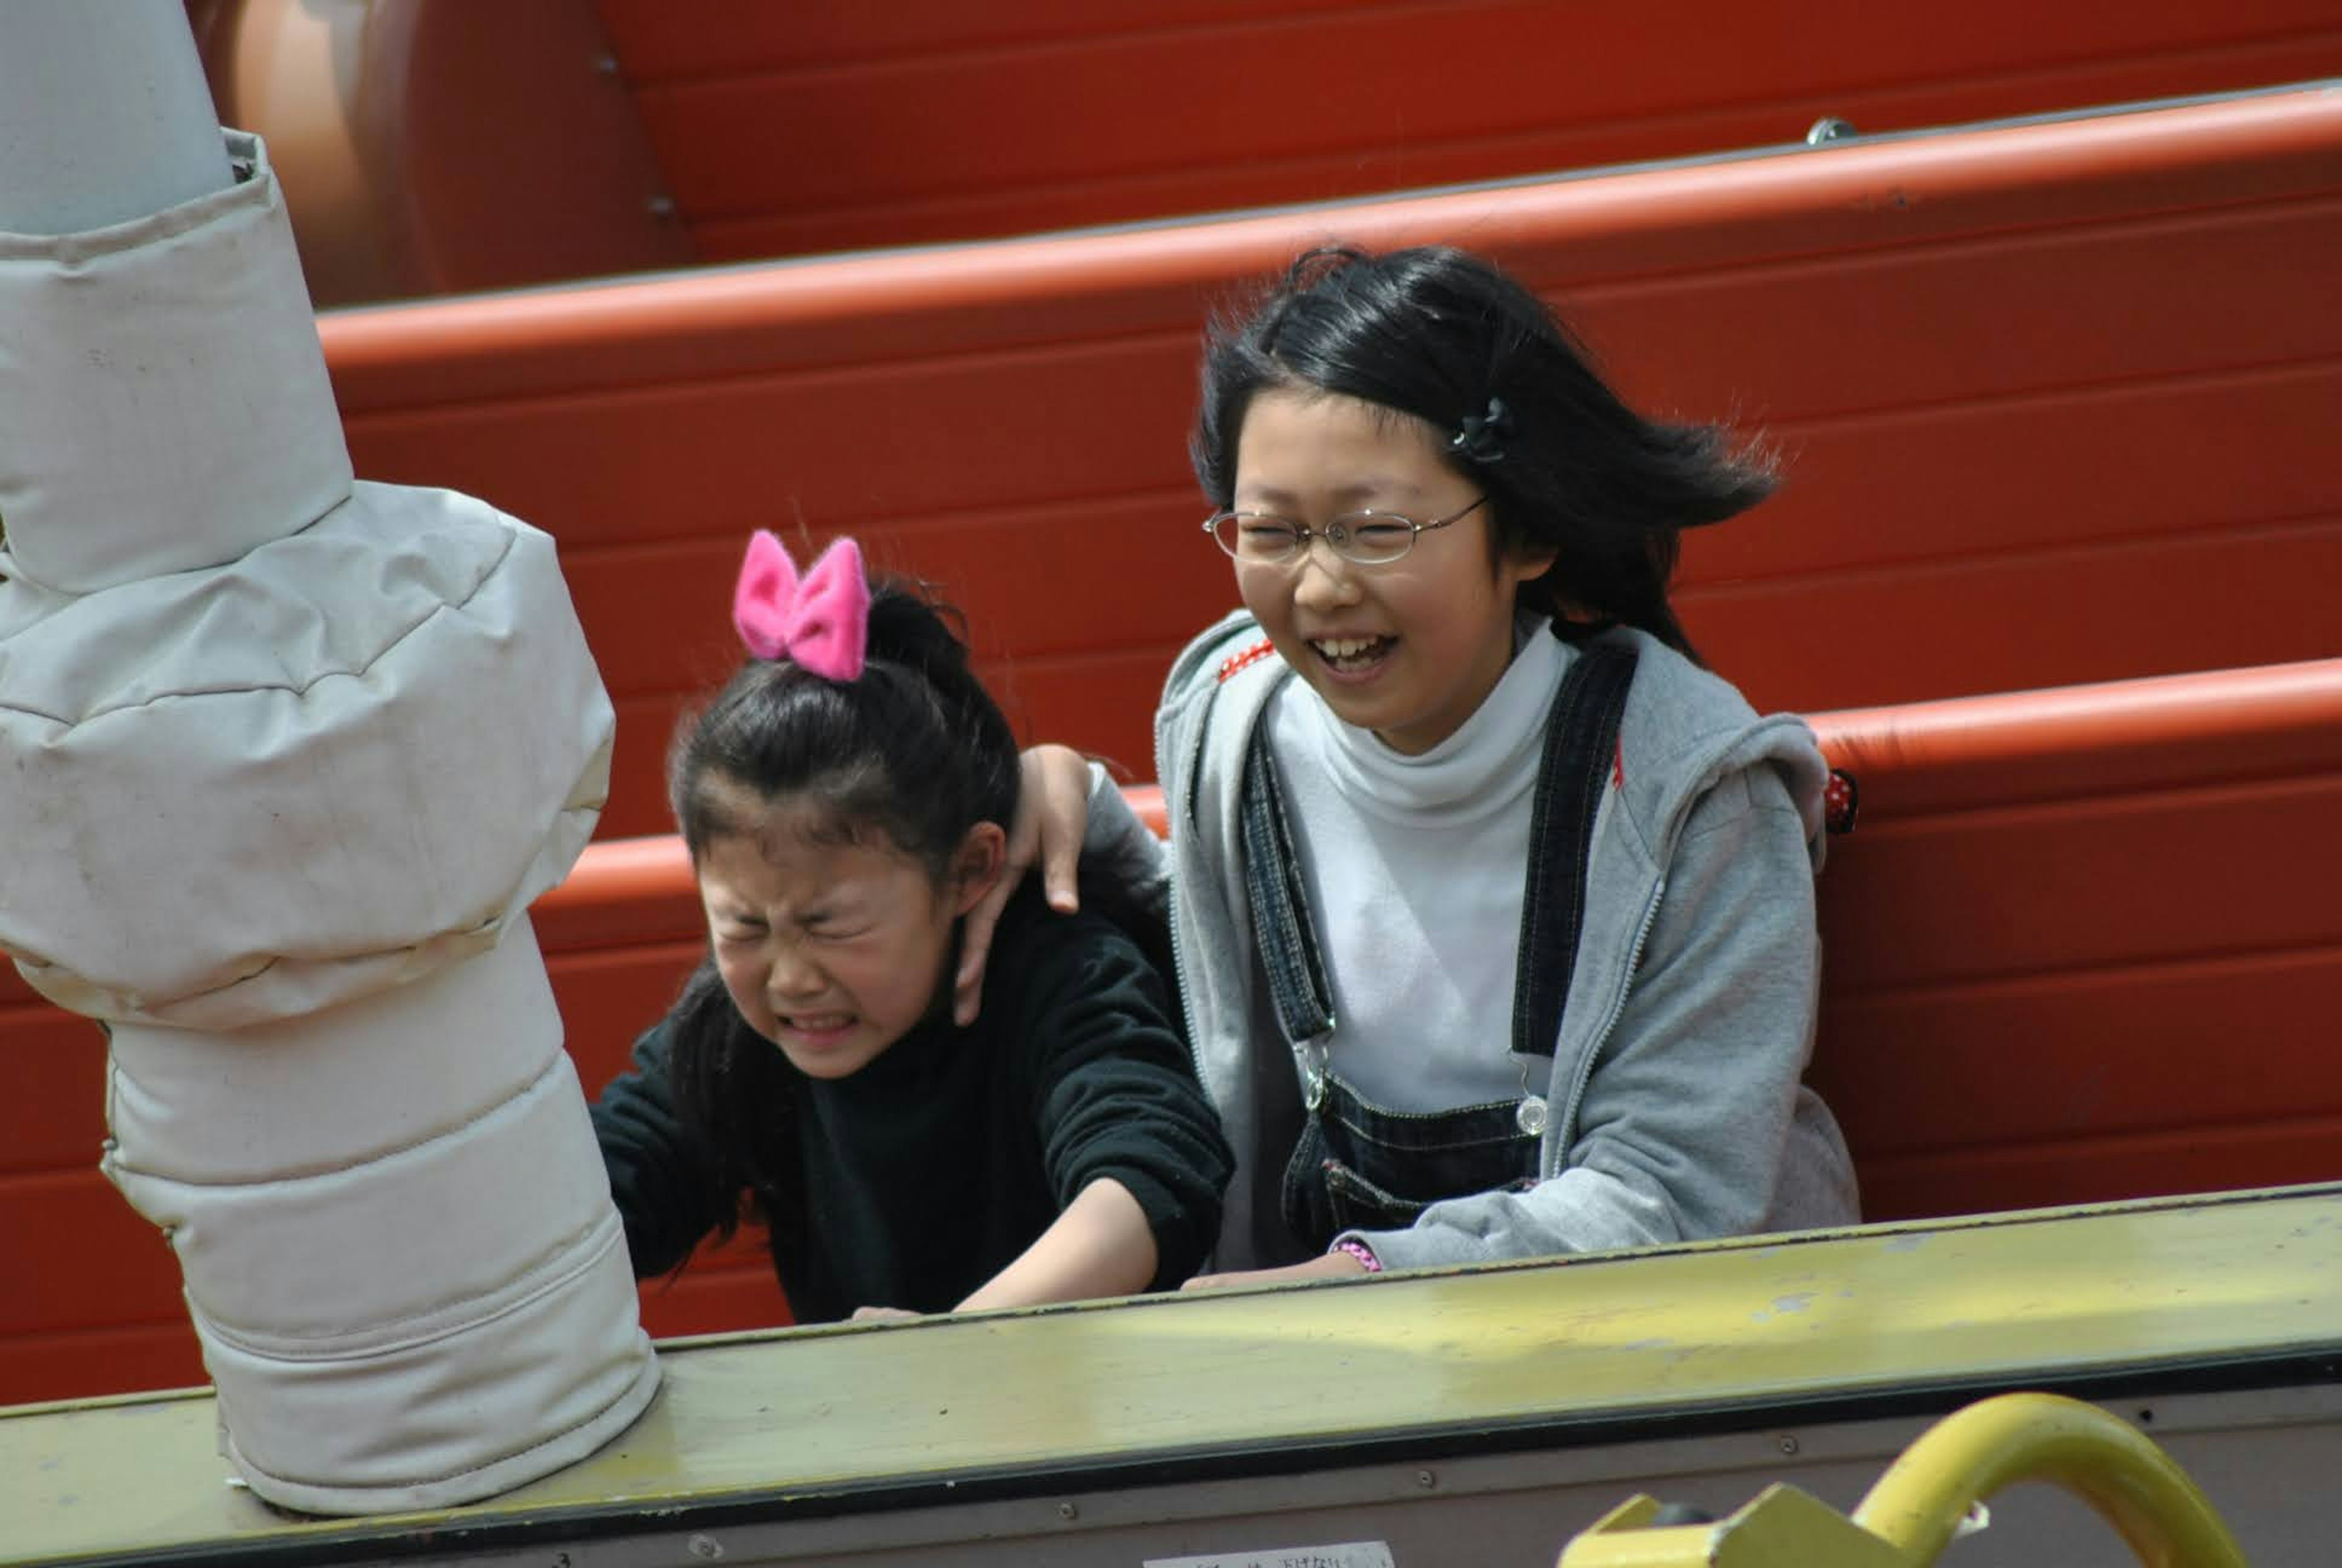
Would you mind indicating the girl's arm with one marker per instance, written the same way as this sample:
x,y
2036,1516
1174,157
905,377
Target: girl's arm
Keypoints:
x,y
1101,1245
1128,1142
1686,1119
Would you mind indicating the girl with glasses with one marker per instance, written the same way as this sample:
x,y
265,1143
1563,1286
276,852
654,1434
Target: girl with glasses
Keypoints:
x,y
1493,909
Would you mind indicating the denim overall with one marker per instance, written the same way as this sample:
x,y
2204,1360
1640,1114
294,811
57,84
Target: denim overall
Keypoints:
x,y
1356,1165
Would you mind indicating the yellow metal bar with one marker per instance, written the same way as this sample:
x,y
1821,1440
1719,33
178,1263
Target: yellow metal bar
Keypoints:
x,y
1916,1508
1968,1457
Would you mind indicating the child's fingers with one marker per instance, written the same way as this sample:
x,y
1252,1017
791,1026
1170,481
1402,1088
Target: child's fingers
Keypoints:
x,y
1058,780
975,947
1053,812
1335,1265
975,933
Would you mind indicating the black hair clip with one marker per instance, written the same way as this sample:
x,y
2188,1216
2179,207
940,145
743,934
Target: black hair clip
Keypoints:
x,y
1481,437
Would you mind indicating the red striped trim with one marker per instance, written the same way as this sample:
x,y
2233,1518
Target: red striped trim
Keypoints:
x,y
1252,655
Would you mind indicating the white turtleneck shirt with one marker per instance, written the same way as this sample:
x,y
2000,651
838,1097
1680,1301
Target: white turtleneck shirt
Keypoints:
x,y
1415,868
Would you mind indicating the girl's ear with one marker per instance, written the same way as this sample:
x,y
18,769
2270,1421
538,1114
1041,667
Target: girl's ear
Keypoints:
x,y
977,865
1526,565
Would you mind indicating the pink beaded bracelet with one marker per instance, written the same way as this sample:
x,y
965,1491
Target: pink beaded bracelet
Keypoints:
x,y
1362,1253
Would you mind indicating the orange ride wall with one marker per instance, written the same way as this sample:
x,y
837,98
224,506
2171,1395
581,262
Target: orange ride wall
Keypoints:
x,y
795,130
2054,404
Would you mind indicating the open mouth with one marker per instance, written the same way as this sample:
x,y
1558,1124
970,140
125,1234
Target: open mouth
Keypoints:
x,y
1352,655
815,1028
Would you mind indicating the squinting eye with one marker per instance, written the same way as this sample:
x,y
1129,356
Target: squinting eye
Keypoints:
x,y
1267,534
1381,535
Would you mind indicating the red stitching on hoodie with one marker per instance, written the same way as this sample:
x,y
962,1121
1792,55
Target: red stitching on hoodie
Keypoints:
x,y
1252,655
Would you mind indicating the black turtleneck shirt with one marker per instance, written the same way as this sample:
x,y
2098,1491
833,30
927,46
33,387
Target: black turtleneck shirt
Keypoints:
x,y
930,1170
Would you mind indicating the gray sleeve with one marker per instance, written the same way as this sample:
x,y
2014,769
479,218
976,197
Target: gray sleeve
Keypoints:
x,y
1120,845
1685,1115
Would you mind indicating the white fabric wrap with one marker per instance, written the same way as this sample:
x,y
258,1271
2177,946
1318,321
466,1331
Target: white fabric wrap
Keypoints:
x,y
284,757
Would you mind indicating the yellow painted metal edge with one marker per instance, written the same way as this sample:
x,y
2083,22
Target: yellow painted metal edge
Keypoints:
x,y
1656,1339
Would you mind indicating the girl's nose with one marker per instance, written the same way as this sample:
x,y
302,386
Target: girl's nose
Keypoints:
x,y
792,977
1323,580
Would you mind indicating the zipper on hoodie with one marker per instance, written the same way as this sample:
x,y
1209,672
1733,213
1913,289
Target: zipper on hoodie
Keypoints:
x,y
1566,1129
1171,912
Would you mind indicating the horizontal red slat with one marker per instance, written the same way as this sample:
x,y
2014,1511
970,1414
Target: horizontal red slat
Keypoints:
x,y
2068,1056
86,1364
728,1291
844,311
2063,618
609,999
657,40
2095,743
962,129
2202,1159
78,1256
53,1116
726,36
993,211
2087,885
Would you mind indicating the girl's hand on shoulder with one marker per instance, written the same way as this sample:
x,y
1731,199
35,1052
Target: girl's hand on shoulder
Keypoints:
x,y
1053,812
1332,1266
882,1315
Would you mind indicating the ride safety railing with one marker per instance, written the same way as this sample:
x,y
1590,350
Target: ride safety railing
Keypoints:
x,y
1934,1494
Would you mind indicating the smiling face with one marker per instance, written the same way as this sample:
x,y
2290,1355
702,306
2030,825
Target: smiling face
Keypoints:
x,y
832,951
1407,650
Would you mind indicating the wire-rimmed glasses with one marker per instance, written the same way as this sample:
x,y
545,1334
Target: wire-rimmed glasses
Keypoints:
x,y
1361,538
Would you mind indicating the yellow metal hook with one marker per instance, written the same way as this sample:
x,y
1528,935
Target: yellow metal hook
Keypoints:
x,y
1917,1507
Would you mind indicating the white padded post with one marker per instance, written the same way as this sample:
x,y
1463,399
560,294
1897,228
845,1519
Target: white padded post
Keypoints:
x,y
104,113
286,756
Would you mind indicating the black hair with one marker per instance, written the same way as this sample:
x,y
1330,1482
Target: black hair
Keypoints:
x,y
913,749
1438,333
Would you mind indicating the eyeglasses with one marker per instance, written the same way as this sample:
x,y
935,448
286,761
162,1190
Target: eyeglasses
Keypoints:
x,y
1361,538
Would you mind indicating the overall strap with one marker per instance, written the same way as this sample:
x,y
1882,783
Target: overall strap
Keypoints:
x,y
1280,910
1581,745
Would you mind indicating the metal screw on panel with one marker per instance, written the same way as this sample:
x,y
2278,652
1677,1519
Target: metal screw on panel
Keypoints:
x,y
1068,1512
704,1548
1425,1479
1786,1444
1829,128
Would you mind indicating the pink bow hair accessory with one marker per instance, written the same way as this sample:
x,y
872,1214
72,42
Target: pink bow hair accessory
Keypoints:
x,y
821,621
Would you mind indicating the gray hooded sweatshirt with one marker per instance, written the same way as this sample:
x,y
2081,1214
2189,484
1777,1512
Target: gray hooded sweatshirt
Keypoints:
x,y
1677,1074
